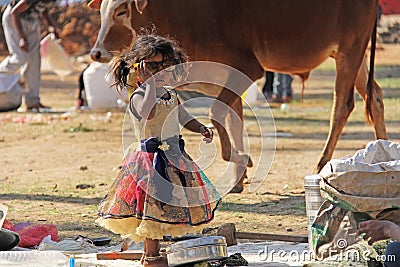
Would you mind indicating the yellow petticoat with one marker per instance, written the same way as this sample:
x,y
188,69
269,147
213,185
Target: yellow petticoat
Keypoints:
x,y
138,230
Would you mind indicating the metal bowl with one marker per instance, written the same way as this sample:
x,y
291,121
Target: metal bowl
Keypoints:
x,y
197,250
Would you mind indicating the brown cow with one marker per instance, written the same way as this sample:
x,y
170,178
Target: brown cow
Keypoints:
x,y
289,36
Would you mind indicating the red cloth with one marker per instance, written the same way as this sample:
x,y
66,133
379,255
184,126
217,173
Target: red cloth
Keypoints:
x,y
8,225
32,234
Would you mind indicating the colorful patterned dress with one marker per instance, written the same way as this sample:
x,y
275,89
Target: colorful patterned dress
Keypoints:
x,y
159,191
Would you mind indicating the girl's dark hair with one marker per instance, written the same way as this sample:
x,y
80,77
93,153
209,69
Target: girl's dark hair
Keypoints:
x,y
147,46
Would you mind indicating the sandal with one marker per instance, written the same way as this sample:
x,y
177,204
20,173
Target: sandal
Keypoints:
x,y
99,241
157,261
163,253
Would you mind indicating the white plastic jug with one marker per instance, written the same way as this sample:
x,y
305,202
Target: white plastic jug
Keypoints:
x,y
313,201
99,93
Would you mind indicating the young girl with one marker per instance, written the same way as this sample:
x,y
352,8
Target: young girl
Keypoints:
x,y
159,190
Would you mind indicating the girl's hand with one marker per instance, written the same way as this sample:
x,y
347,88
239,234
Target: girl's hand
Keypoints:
x,y
207,133
143,73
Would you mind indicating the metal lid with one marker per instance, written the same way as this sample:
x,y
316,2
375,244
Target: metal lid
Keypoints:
x,y
197,242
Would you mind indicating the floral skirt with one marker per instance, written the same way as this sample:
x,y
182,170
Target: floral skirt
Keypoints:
x,y
159,192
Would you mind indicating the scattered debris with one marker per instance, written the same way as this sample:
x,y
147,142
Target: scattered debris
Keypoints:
x,y
79,128
37,119
83,168
99,241
390,33
84,186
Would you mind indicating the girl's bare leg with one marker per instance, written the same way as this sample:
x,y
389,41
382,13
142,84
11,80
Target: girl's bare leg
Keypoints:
x,y
152,255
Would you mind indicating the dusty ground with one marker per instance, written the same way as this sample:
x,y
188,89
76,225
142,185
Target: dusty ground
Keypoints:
x,y
44,159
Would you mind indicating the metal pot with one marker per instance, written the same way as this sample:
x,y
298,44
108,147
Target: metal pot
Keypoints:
x,y
197,250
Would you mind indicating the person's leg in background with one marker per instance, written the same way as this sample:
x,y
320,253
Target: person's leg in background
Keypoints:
x,y
277,88
27,62
287,91
82,101
31,71
268,85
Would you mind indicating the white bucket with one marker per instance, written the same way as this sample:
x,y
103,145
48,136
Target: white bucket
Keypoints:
x,y
313,201
99,93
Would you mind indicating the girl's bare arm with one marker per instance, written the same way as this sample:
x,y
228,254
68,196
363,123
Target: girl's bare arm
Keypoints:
x,y
193,125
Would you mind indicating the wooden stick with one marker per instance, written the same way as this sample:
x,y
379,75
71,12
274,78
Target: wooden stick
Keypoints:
x,y
274,237
125,255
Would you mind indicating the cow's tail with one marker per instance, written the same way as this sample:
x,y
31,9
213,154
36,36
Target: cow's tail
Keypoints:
x,y
371,80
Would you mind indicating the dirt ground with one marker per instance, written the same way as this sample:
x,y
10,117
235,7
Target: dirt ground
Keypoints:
x,y
44,157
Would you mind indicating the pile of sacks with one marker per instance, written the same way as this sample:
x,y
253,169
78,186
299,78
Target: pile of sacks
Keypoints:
x,y
358,188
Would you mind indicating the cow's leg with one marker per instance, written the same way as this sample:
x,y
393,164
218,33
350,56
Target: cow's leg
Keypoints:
x,y
220,110
343,104
235,122
378,119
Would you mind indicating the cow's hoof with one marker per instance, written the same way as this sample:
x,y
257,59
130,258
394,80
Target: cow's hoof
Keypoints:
x,y
249,162
237,189
242,159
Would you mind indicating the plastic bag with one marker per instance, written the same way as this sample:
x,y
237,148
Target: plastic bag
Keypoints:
x,y
32,234
54,58
10,92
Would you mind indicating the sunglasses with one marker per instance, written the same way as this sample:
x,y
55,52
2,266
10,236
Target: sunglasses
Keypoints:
x,y
156,66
